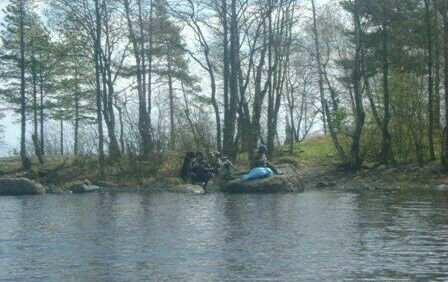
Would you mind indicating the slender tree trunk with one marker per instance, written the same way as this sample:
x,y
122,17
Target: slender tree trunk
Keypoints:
x,y
41,108
326,117
355,158
229,128
226,71
386,150
149,56
187,114
61,136
99,115
215,107
143,115
444,10
260,93
430,81
120,118
437,62
319,68
76,137
34,82
108,89
270,136
26,162
37,148
171,97
35,136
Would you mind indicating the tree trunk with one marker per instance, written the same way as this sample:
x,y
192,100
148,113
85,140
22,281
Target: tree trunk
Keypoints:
x,y
108,91
187,115
270,136
142,113
444,10
41,108
97,42
430,81
229,123
61,136
36,144
76,137
258,99
386,150
149,56
34,83
120,118
226,70
319,68
355,158
437,62
171,97
215,106
326,117
26,162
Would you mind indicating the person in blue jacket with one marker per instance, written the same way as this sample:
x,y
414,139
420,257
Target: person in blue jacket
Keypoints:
x,y
260,159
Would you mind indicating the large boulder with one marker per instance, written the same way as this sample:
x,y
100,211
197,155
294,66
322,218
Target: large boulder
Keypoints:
x,y
290,181
20,186
82,187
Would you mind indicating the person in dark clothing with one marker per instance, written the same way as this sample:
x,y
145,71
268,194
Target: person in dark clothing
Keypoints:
x,y
260,159
187,166
226,168
201,171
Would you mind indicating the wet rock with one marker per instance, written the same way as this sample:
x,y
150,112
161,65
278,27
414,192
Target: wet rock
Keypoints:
x,y
106,184
82,187
51,189
442,187
20,186
31,174
290,181
187,188
325,184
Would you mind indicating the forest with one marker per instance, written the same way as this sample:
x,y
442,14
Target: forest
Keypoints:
x,y
127,81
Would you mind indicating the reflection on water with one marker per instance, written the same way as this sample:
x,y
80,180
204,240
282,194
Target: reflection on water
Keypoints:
x,y
314,235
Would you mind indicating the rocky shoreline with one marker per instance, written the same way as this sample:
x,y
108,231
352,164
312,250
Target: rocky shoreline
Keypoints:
x,y
378,177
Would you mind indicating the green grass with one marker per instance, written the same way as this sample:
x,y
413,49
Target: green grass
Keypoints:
x,y
315,151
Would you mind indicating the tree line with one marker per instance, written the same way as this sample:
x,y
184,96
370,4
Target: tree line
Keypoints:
x,y
116,78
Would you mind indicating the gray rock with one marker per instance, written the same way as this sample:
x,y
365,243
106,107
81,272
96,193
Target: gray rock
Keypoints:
x,y
290,181
187,188
442,187
80,187
20,186
106,184
325,184
51,189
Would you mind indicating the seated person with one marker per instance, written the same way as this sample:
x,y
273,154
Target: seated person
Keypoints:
x,y
260,159
185,171
201,171
226,168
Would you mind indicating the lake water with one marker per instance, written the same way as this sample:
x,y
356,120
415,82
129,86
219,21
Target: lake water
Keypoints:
x,y
315,235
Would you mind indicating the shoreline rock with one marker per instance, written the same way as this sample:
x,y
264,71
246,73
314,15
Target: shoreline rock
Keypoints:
x,y
83,187
290,181
186,188
20,186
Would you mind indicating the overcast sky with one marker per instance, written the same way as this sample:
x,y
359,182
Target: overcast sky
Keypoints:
x,y
11,138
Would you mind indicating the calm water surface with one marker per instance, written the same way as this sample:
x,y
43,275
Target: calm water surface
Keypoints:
x,y
316,235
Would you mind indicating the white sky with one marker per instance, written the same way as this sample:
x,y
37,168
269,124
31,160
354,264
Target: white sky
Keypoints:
x,y
11,138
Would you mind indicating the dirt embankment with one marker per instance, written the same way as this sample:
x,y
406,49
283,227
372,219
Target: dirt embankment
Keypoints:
x,y
379,177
